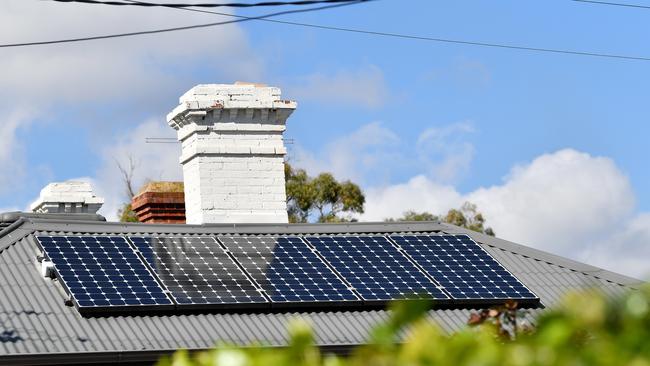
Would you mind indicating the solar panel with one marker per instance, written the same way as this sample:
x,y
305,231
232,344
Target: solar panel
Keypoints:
x,y
197,271
287,269
462,267
375,268
102,271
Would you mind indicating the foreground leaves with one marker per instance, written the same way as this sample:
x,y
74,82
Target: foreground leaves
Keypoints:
x,y
586,329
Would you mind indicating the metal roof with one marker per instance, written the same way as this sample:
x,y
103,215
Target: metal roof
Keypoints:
x,y
38,328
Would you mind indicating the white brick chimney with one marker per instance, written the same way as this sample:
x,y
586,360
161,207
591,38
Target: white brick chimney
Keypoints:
x,y
67,197
232,152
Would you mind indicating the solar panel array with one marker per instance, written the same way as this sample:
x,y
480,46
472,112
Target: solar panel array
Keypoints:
x,y
462,267
142,272
196,270
375,268
102,271
287,269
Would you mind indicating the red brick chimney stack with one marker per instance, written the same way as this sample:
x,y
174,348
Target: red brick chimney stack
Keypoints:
x,y
160,202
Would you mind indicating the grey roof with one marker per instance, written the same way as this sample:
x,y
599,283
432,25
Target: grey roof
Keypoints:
x,y
37,327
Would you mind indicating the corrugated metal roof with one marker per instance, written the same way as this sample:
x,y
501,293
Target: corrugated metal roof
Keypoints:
x,y
34,319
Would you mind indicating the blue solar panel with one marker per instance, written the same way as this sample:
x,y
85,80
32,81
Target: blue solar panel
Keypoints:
x,y
462,267
102,271
375,268
287,269
197,271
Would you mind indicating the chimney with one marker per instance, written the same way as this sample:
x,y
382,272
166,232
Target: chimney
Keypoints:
x,y
160,202
67,197
232,152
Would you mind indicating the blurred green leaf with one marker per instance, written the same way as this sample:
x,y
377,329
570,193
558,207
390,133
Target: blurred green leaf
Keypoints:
x,y
585,329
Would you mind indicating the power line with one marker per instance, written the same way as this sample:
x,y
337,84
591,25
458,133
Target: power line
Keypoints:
x,y
174,29
264,18
430,39
613,4
206,5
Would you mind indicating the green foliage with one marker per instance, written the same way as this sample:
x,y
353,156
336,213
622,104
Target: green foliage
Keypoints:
x,y
585,329
466,216
323,195
415,216
126,214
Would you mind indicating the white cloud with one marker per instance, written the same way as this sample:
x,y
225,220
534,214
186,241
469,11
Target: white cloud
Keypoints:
x,y
101,84
370,148
125,68
563,202
567,202
627,250
420,194
374,150
444,151
12,154
365,86
154,161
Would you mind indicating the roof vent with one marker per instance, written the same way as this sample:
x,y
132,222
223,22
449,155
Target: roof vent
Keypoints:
x,y
67,197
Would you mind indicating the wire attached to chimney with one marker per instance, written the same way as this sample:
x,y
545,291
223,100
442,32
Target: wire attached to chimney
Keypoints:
x,y
206,5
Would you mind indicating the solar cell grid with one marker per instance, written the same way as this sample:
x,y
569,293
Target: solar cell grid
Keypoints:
x,y
102,271
287,269
375,268
197,270
462,267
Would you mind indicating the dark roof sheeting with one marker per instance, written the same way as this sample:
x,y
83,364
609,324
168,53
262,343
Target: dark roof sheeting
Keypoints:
x,y
35,320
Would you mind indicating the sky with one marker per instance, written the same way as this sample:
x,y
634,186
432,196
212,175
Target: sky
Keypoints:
x,y
551,147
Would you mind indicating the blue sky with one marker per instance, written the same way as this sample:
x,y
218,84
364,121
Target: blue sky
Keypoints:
x,y
458,122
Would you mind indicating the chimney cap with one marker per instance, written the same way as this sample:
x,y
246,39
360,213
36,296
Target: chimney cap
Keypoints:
x,y
203,98
67,197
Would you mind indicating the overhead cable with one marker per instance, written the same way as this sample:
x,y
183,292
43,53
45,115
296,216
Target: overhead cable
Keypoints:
x,y
613,4
205,5
431,39
174,29
265,18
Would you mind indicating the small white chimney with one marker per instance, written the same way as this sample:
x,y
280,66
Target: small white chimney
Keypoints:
x,y
233,152
67,197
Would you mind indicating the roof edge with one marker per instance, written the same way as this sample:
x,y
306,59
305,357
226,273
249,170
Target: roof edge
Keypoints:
x,y
54,224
